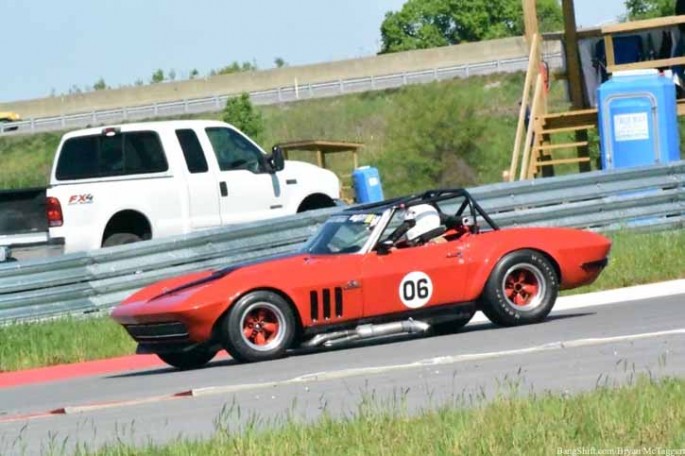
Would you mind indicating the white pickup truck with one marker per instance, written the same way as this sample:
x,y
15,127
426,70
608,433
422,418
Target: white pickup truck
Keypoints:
x,y
121,184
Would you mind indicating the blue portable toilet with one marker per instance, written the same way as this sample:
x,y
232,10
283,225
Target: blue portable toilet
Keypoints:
x,y
638,122
367,185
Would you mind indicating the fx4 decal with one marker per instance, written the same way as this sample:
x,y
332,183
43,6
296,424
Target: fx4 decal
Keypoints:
x,y
85,198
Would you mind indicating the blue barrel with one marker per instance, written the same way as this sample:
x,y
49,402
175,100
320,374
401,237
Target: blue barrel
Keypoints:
x,y
367,185
638,122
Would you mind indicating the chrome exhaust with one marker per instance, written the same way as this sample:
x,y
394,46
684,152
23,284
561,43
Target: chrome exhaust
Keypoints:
x,y
367,331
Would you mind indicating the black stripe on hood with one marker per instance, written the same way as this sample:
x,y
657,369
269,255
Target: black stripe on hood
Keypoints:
x,y
223,272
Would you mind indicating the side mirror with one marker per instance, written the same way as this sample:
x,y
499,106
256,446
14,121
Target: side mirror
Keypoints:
x,y
277,158
385,246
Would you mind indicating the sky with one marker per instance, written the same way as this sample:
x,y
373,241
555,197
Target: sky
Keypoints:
x,y
50,46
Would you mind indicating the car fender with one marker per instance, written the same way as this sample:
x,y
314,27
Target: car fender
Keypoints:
x,y
486,250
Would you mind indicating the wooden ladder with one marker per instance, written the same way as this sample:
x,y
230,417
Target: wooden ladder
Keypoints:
x,y
547,127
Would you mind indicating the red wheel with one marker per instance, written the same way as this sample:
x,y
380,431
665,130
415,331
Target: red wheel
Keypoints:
x,y
261,325
522,289
524,286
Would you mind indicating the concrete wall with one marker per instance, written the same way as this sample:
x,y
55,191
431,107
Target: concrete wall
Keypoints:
x,y
269,79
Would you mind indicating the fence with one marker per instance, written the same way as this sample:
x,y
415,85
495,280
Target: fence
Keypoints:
x,y
648,198
277,95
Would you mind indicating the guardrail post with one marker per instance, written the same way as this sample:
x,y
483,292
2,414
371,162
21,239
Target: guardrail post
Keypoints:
x,y
185,106
156,109
217,103
280,95
435,74
404,79
94,117
467,71
342,86
498,64
373,83
63,121
33,124
311,91
124,113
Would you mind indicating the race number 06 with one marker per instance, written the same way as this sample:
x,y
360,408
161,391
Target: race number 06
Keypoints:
x,y
415,289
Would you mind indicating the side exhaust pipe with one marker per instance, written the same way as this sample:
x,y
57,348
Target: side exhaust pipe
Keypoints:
x,y
367,331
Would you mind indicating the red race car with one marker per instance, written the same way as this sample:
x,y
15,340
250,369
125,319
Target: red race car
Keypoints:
x,y
400,266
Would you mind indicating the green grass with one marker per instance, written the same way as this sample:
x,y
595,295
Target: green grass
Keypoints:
x,y
635,258
68,340
648,414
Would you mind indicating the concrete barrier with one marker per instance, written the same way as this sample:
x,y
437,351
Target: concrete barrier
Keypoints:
x,y
269,79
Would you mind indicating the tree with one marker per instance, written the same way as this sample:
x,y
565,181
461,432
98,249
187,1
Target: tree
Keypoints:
x,y
194,73
435,135
157,76
646,9
422,24
172,74
100,85
279,62
240,112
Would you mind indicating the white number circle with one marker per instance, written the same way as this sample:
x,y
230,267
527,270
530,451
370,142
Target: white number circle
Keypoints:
x,y
416,289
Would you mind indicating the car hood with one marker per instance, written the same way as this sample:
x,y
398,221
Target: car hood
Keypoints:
x,y
188,284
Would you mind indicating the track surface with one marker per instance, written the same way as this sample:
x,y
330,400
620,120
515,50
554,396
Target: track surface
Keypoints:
x,y
572,351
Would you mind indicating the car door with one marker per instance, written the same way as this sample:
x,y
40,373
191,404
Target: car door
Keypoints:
x,y
248,190
413,278
203,193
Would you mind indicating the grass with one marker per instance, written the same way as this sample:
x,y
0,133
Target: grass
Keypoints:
x,y
636,258
645,415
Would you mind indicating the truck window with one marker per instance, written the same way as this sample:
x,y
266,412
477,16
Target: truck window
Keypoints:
x,y
192,151
233,151
129,153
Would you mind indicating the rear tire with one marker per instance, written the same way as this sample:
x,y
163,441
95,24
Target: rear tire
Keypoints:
x,y
191,359
120,239
522,289
259,327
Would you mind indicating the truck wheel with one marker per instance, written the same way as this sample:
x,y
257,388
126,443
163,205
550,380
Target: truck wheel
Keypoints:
x,y
121,238
260,326
191,359
522,289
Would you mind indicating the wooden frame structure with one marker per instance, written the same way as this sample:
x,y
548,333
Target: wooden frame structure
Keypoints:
x,y
534,156
322,148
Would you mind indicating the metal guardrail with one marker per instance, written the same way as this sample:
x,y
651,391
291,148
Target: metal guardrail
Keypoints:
x,y
644,198
274,96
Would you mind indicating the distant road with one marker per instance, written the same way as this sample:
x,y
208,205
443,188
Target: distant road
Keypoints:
x,y
282,94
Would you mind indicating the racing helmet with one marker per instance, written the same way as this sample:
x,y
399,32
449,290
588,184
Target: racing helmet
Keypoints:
x,y
426,219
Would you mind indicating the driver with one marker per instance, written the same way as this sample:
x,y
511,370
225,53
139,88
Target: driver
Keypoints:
x,y
426,225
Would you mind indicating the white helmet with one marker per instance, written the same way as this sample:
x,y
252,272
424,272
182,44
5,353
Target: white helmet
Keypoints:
x,y
426,217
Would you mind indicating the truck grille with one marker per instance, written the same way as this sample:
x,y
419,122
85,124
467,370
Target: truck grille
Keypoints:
x,y
152,332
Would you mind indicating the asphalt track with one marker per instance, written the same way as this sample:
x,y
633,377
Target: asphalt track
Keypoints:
x,y
588,341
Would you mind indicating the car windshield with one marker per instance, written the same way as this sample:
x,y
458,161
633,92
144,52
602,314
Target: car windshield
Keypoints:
x,y
343,234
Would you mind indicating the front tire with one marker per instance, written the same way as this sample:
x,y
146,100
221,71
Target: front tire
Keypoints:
x,y
259,327
190,359
521,289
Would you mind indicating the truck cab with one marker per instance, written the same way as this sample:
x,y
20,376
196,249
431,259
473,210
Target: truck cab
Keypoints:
x,y
126,183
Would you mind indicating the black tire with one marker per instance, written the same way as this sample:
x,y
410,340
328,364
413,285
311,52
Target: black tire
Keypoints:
x,y
452,326
251,314
121,238
521,289
190,359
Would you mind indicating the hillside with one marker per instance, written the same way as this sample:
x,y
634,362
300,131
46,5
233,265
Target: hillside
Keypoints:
x,y
457,132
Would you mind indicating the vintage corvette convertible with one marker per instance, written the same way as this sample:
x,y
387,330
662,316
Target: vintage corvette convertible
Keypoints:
x,y
407,265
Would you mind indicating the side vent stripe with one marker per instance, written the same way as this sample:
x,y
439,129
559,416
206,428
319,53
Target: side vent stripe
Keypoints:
x,y
314,304
338,302
326,303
